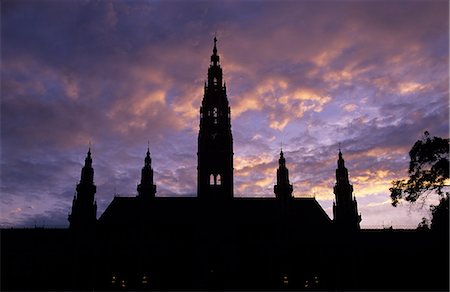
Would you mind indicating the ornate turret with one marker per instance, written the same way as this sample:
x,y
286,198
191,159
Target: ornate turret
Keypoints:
x,y
84,206
215,142
345,208
283,189
146,189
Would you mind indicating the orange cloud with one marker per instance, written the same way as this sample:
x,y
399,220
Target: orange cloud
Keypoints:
x,y
350,107
410,87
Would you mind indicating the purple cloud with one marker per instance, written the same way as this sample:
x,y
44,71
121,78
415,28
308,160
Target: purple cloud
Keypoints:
x,y
370,75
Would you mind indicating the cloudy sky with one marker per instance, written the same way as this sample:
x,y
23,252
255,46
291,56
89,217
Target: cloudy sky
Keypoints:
x,y
371,75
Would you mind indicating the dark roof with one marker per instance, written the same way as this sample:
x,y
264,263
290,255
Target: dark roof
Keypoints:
x,y
303,213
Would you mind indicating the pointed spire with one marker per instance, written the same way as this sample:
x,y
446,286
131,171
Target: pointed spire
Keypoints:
x,y
147,159
283,189
84,209
88,159
87,172
146,188
341,162
345,208
282,161
341,171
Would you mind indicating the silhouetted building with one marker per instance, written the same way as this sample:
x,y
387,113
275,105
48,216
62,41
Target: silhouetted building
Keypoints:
x,y
146,189
345,209
283,189
215,241
84,206
215,142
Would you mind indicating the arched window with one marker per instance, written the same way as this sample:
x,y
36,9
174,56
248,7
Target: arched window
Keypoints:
x,y
215,81
219,180
215,115
211,180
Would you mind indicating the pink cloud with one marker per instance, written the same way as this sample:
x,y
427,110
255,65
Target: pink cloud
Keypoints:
x,y
372,75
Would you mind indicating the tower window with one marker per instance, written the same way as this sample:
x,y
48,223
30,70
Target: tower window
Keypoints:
x,y
219,180
144,279
211,180
215,115
215,81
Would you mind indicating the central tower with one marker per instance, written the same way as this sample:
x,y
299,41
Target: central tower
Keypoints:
x,y
215,142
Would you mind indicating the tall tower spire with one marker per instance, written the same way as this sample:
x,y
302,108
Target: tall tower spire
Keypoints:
x,y
283,189
146,189
84,206
215,141
345,208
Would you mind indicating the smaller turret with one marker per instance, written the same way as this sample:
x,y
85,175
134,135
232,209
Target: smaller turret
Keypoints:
x,y
84,206
283,189
345,207
146,189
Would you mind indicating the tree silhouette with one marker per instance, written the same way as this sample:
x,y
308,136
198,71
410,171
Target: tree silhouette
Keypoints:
x,y
428,174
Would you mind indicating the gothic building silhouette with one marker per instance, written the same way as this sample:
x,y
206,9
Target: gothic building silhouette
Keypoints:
x,y
215,141
216,241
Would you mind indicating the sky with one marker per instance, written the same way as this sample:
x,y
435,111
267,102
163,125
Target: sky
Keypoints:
x,y
370,76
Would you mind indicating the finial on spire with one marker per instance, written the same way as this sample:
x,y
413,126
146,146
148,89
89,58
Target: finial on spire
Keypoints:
x,y
340,159
340,152
88,154
215,57
281,161
283,189
215,46
147,160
